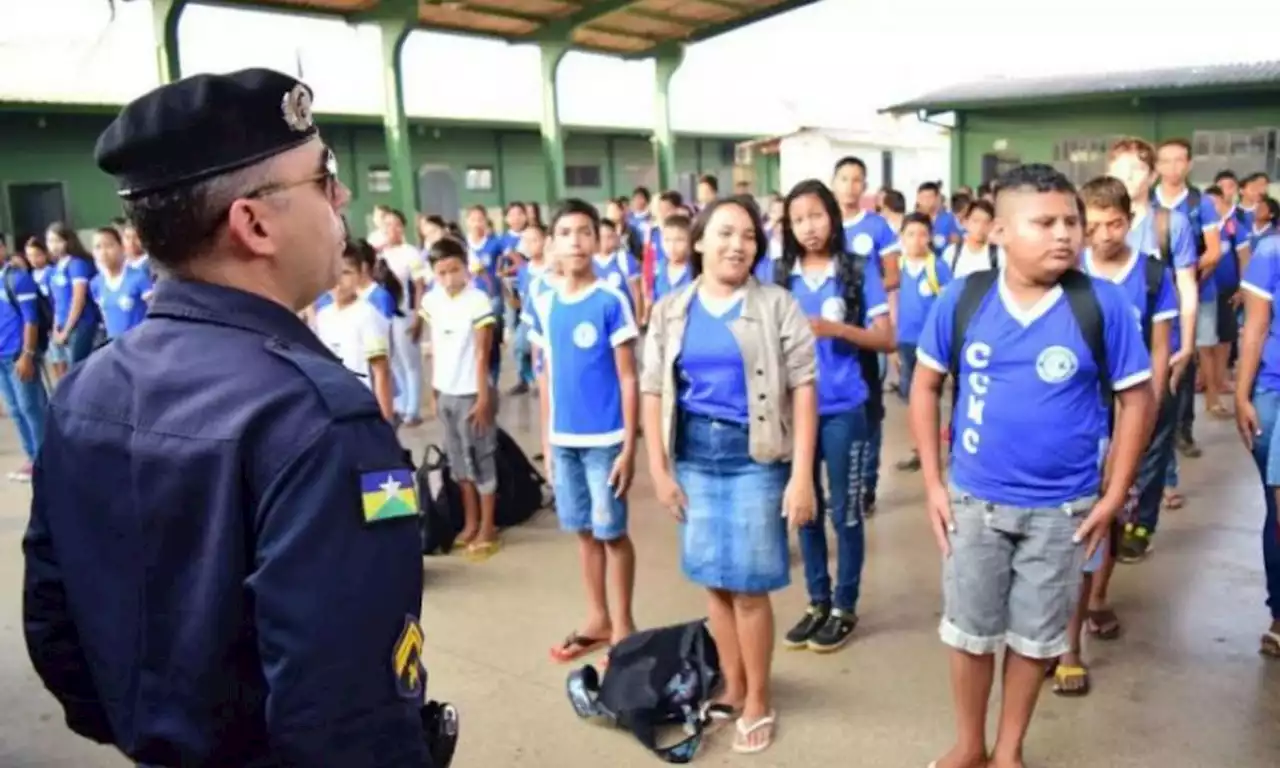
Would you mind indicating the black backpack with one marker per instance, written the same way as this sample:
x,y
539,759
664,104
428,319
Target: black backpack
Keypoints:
x,y
659,677
522,490
993,253
44,311
1078,288
1155,269
440,509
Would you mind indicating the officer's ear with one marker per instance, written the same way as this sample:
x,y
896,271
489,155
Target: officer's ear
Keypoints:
x,y
249,225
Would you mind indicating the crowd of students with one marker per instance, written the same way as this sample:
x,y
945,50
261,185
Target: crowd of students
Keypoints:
x,y
752,351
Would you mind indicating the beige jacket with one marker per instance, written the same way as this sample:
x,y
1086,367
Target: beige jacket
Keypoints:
x,y
777,353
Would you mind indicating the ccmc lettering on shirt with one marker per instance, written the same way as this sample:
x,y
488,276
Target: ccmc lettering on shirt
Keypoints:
x,y
577,334
1031,426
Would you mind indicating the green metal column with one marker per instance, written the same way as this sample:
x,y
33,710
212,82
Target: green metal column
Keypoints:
x,y
551,53
395,123
164,21
664,142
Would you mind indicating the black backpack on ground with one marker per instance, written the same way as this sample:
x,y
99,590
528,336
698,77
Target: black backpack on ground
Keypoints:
x,y
44,310
1078,288
439,503
659,677
522,490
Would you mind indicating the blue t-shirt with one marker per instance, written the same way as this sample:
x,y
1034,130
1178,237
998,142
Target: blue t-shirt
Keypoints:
x,y
373,293
42,276
1234,235
711,378
577,335
1262,278
663,283
526,274
1256,234
1201,218
484,257
916,296
14,316
69,272
1132,279
841,387
1182,242
1029,429
868,236
945,227
617,269
121,299
765,266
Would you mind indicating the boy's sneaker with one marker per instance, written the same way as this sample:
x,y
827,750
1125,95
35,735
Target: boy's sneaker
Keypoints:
x,y
1187,447
833,634
1135,545
520,389
798,637
868,504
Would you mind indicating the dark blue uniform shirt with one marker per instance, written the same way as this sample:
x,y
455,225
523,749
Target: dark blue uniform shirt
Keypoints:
x,y
202,587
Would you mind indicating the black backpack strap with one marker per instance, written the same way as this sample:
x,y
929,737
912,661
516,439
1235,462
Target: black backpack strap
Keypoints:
x,y
1088,313
976,288
993,253
1154,269
1164,232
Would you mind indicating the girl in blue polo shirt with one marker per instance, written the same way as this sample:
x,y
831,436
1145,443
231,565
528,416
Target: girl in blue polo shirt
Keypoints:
x,y
75,316
849,314
119,292
730,419
39,264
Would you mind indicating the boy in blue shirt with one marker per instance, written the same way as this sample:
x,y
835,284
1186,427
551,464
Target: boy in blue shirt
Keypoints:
x,y
924,274
23,389
589,400
1023,510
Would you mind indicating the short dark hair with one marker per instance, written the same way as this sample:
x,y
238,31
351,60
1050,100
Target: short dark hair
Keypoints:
x,y
672,197
177,224
1106,192
447,248
1176,142
960,203
1034,177
110,232
710,180
678,221
1215,190
1226,173
1256,175
1273,207
398,215
607,223
982,206
849,160
986,188
917,218
930,186
642,191
895,201
574,206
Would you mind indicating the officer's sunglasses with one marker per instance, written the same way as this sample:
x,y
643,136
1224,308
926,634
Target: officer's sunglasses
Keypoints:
x,y
327,178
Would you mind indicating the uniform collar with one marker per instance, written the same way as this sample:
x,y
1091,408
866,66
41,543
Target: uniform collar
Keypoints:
x,y
219,305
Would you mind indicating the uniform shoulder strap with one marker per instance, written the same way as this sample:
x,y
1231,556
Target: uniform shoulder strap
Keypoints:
x,y
1088,314
1155,276
993,253
975,289
1164,233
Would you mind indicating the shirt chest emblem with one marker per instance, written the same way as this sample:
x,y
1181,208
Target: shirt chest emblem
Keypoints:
x,y
1056,364
585,335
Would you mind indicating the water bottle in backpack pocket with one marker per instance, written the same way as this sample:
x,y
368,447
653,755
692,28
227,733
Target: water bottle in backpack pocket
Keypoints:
x,y
441,515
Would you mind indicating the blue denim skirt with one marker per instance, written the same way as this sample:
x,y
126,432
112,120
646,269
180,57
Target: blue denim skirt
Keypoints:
x,y
734,536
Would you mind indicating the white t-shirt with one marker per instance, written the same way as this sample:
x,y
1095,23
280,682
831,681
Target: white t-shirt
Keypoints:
x,y
356,333
454,320
970,261
405,262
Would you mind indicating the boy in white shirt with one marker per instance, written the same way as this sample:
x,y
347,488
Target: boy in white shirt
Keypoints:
x,y
358,334
462,324
975,252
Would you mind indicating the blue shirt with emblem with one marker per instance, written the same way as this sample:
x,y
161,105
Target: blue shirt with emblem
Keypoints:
x,y
711,378
42,276
67,273
181,597
484,257
121,299
17,309
869,237
841,387
1143,238
945,226
1262,278
1201,218
617,269
1132,279
1234,234
918,295
664,282
577,335
1029,429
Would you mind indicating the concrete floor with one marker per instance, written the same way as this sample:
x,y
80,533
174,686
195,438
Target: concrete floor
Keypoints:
x,y
1184,688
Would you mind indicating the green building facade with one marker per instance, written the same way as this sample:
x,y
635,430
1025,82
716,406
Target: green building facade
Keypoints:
x,y
1230,114
47,170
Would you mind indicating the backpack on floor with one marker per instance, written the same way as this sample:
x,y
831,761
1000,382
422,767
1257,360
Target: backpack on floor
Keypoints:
x,y
660,677
522,490
441,515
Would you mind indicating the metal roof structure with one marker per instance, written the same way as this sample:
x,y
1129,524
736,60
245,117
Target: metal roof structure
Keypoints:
x,y
1002,92
628,28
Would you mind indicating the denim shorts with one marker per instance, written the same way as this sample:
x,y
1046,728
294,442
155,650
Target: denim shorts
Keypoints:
x,y
1207,324
1013,576
57,353
734,536
585,502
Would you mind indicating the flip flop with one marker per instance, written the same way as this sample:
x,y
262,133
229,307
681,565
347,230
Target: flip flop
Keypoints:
x,y
1270,645
575,646
1069,672
744,732
479,551
1103,624
718,715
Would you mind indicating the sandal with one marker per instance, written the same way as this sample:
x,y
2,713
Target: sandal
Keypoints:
x,y
575,646
717,715
1103,624
1174,500
1270,645
1070,680
479,551
742,737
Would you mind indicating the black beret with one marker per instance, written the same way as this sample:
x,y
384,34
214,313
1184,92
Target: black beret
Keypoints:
x,y
204,126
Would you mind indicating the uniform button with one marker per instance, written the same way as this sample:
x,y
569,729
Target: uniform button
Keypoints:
x,y
759,371
763,396
759,418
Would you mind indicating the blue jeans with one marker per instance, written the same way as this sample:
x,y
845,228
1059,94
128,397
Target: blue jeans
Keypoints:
x,y
734,537
523,352
26,402
870,458
585,502
79,342
1266,454
907,369
842,443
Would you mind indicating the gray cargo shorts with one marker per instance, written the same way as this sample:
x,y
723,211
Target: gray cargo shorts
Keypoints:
x,y
1013,576
470,451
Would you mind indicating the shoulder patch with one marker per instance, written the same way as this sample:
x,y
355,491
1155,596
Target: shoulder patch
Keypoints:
x,y
388,494
345,396
406,661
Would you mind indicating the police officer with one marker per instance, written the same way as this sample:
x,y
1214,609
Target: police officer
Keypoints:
x,y
222,564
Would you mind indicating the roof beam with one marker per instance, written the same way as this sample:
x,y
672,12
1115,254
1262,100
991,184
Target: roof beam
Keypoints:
x,y
716,30
587,14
